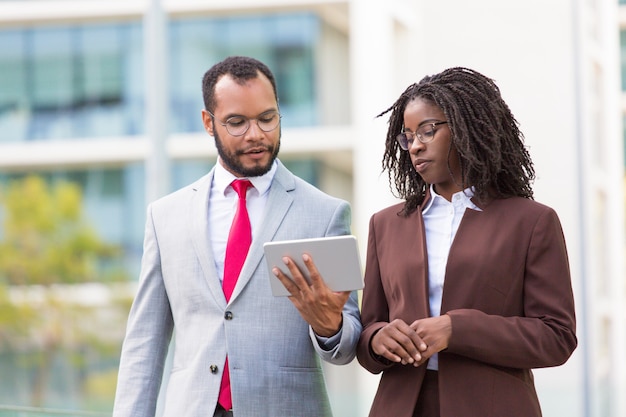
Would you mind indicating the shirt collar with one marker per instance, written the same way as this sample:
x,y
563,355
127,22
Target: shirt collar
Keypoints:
x,y
464,197
222,178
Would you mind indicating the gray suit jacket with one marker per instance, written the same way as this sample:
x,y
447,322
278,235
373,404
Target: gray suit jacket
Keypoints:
x,y
273,354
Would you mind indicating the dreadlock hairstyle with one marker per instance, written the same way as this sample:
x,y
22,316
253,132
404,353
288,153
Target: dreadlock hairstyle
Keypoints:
x,y
240,68
494,159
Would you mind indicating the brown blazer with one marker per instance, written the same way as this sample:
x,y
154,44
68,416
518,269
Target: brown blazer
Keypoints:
x,y
507,290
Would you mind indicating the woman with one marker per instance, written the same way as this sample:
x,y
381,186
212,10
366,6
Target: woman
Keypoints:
x,y
467,283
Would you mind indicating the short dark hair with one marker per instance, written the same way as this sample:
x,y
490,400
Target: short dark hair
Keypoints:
x,y
494,159
240,68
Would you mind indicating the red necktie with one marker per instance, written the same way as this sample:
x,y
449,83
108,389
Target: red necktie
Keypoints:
x,y
239,239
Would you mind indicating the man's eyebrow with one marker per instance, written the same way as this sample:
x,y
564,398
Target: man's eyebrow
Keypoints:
x,y
228,116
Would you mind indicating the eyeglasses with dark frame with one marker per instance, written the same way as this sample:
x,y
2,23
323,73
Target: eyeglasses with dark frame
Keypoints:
x,y
424,133
239,125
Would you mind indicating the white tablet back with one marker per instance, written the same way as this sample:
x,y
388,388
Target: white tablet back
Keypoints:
x,y
336,257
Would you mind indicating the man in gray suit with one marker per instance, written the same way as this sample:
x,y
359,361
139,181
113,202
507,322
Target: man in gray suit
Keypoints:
x,y
273,344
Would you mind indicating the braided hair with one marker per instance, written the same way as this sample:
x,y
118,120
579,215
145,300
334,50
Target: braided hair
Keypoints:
x,y
494,159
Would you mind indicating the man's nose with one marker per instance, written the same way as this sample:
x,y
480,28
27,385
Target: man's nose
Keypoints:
x,y
254,131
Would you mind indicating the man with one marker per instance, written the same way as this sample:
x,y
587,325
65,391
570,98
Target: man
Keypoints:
x,y
266,346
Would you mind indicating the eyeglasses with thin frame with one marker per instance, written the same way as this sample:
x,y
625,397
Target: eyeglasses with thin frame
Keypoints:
x,y
424,133
239,125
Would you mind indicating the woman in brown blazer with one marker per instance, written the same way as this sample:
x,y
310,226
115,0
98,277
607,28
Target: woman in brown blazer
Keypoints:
x,y
467,282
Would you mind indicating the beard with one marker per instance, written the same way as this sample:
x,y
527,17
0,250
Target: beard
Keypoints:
x,y
232,162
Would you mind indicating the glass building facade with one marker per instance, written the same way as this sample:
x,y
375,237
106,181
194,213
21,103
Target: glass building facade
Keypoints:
x,y
86,81
75,82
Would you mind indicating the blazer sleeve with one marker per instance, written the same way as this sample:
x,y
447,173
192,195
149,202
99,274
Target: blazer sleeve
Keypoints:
x,y
345,349
543,334
148,334
376,315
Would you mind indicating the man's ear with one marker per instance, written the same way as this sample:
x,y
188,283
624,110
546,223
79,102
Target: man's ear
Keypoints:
x,y
207,121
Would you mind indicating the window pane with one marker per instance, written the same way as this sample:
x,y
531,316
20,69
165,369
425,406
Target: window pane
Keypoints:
x,y
100,82
71,82
52,94
13,104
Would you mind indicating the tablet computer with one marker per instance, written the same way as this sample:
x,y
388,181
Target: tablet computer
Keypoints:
x,y
336,258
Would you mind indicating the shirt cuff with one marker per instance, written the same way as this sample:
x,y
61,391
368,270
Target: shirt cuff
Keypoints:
x,y
329,343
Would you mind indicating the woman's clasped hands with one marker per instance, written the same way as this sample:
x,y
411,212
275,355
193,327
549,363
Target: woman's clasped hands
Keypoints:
x,y
415,343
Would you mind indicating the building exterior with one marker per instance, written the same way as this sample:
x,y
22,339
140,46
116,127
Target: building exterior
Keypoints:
x,y
107,94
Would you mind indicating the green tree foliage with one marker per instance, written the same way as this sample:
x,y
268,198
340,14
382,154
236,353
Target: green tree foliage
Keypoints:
x,y
46,240
55,298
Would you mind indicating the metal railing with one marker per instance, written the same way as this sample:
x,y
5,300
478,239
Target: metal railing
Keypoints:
x,y
17,411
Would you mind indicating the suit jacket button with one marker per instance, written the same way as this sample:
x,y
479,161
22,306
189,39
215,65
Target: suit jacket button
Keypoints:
x,y
228,315
213,369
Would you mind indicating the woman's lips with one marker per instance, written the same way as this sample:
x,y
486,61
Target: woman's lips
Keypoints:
x,y
421,164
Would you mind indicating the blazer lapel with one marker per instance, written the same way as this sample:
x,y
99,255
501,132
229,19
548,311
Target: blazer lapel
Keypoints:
x,y
413,236
200,236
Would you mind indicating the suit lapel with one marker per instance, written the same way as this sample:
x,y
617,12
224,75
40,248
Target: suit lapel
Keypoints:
x,y
201,237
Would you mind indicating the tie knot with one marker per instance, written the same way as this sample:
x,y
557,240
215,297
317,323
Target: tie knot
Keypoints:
x,y
240,187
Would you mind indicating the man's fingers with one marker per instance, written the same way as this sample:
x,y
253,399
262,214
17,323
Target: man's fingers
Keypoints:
x,y
297,276
316,278
286,281
315,282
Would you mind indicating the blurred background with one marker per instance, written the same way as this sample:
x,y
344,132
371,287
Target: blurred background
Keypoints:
x,y
100,114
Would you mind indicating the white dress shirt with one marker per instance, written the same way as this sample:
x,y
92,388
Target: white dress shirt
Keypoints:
x,y
441,221
223,206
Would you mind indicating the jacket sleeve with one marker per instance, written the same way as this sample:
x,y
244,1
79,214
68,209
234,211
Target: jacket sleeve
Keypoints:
x,y
345,349
544,334
148,334
376,314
